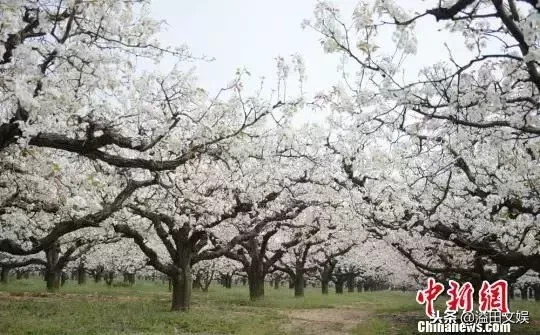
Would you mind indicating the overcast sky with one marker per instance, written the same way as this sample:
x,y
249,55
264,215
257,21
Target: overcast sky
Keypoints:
x,y
246,33
252,33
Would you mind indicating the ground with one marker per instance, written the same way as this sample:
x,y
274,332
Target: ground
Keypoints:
x,y
25,308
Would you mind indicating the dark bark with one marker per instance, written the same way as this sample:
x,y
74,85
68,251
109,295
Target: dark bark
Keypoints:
x,y
207,280
523,292
256,279
339,279
226,280
339,287
129,278
536,291
81,274
350,283
324,285
52,273
109,278
326,271
197,283
98,273
9,132
299,282
63,278
4,275
53,281
181,290
511,290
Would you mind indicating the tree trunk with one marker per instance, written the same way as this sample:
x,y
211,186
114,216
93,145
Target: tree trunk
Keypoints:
x,y
523,292
98,275
226,280
131,279
207,281
324,286
53,274
476,284
359,286
19,274
256,280
109,278
197,283
4,274
511,289
181,290
53,279
276,283
64,277
81,274
299,283
325,273
339,286
536,292
350,283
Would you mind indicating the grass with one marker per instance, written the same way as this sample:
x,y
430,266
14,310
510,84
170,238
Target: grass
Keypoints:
x,y
145,309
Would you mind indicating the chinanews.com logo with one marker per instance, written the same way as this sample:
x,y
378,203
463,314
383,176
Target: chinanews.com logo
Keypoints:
x,y
492,315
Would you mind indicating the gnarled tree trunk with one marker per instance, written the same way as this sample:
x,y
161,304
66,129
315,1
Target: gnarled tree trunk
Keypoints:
x,y
53,279
4,275
182,283
256,276
299,283
181,290
52,273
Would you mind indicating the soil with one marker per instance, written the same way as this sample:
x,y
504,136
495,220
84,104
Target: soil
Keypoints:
x,y
330,321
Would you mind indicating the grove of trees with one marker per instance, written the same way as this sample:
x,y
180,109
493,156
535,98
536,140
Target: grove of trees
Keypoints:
x,y
109,166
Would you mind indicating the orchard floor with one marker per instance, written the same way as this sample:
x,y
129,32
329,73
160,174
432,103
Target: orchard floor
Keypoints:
x,y
25,308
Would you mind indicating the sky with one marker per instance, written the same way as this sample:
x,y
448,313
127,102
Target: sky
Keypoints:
x,y
252,33
246,33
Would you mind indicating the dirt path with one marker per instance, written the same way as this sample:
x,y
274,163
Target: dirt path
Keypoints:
x,y
327,321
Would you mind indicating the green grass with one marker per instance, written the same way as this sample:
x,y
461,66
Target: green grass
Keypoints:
x,y
145,309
